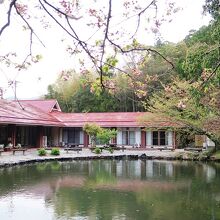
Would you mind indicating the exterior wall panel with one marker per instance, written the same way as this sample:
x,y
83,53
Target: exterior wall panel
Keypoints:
x,y
119,136
149,138
138,137
170,138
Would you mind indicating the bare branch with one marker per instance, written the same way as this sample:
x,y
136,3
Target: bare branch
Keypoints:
x,y
29,26
61,12
9,16
211,75
141,49
74,35
104,40
81,43
139,16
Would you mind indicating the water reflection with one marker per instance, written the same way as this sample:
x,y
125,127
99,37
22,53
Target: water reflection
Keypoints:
x,y
111,189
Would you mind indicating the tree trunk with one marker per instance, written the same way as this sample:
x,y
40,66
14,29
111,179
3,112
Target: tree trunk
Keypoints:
x,y
93,141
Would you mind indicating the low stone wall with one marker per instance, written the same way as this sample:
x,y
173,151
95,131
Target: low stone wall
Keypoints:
x,y
189,156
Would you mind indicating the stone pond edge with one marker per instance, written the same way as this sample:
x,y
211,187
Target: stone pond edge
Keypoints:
x,y
95,157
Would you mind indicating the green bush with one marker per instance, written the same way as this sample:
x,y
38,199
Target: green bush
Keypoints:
x,y
209,153
97,150
55,151
111,150
42,152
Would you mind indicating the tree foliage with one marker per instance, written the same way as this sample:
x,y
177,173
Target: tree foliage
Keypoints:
x,y
194,96
95,131
105,135
82,93
195,105
92,130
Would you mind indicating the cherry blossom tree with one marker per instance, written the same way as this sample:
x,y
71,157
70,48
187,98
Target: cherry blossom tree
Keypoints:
x,y
99,33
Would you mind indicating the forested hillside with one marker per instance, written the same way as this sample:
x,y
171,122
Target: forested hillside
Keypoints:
x,y
193,59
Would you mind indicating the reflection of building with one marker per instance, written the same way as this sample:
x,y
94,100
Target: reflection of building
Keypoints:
x,y
41,123
101,175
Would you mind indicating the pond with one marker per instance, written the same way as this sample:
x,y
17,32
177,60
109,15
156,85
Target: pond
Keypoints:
x,y
111,189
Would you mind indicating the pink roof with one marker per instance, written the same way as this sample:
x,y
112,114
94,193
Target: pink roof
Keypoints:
x,y
45,105
32,112
114,119
13,113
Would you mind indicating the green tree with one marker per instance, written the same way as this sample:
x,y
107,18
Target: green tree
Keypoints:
x,y
76,93
92,130
193,103
96,132
105,135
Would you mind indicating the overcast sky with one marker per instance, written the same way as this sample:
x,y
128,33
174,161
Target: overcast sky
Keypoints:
x,y
33,82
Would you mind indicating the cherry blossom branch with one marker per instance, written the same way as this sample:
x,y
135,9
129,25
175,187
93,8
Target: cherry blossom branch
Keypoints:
x,y
123,51
211,75
104,40
74,35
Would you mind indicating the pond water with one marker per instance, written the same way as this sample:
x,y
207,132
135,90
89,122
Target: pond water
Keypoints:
x,y
111,189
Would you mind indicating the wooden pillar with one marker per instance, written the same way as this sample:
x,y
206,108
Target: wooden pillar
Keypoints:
x,y
85,139
127,136
143,139
61,137
40,133
55,133
174,140
12,134
114,139
158,133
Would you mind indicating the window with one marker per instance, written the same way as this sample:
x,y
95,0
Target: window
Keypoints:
x,y
159,138
131,138
26,136
162,138
128,137
155,137
72,135
3,135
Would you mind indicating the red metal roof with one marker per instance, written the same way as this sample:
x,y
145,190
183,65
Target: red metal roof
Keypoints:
x,y
115,119
45,105
29,113
12,112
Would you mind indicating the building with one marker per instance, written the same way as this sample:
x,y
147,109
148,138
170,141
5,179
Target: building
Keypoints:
x,y
37,123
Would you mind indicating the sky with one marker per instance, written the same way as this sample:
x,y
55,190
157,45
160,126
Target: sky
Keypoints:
x,y
32,83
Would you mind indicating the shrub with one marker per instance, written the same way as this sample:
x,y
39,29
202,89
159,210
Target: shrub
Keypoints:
x,y
55,151
42,152
209,153
111,150
97,150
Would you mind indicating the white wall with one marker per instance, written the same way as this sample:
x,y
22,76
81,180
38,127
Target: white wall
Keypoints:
x,y
138,137
170,138
209,143
149,138
81,137
119,136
